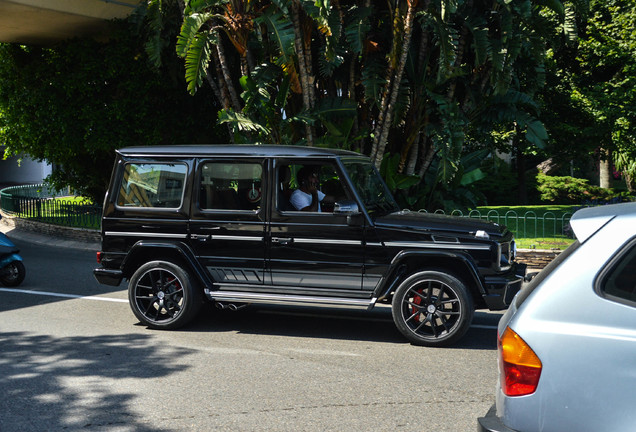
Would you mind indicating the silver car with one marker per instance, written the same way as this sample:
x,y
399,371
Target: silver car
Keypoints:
x,y
567,344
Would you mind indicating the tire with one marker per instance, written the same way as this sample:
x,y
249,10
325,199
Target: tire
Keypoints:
x,y
432,308
12,274
163,295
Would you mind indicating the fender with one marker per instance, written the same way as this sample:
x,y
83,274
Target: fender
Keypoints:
x,y
9,259
386,286
181,249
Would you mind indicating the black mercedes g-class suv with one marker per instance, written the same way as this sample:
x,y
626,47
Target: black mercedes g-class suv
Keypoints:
x,y
186,223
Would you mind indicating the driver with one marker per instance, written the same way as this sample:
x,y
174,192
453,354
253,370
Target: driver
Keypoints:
x,y
307,197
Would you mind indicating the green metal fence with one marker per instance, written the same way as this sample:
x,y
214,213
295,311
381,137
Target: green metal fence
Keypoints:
x,y
530,229
39,203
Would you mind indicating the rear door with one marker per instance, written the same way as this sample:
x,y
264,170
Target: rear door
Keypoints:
x,y
227,227
149,201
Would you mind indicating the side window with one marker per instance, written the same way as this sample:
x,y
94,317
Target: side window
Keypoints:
x,y
152,185
230,185
620,280
297,180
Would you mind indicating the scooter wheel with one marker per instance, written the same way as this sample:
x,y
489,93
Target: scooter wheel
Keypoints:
x,y
13,274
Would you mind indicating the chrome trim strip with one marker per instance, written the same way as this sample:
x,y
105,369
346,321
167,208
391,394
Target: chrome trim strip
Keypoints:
x,y
144,234
288,299
328,241
240,238
422,245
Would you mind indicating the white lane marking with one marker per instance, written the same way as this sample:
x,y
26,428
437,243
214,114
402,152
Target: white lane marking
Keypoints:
x,y
116,300
52,294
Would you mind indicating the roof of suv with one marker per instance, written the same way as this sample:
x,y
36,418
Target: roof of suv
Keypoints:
x,y
234,150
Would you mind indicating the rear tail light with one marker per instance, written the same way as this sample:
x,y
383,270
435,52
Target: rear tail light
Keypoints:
x,y
519,365
100,255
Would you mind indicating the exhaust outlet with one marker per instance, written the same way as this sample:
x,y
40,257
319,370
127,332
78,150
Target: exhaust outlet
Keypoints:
x,y
230,306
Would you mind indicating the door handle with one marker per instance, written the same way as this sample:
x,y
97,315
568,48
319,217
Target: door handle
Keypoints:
x,y
282,241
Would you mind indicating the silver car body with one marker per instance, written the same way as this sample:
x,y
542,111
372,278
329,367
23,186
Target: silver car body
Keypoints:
x,y
585,339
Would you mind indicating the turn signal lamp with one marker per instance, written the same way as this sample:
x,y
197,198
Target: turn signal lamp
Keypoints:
x,y
519,366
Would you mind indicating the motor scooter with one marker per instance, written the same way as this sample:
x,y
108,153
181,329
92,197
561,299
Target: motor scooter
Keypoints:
x,y
12,270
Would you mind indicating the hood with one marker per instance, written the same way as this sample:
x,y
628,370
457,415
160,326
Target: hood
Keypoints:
x,y
438,223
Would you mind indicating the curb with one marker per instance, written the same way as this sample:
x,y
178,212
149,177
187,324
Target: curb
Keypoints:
x,y
49,235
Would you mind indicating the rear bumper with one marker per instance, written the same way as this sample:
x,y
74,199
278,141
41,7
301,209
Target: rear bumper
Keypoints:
x,y
492,423
111,277
501,289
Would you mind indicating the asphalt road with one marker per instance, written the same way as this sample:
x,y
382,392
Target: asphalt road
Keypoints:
x,y
73,357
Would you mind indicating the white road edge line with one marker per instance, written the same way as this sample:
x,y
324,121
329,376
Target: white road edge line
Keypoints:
x,y
116,300
52,294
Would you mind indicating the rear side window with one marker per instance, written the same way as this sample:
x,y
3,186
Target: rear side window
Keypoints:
x,y
152,185
230,185
619,281
543,274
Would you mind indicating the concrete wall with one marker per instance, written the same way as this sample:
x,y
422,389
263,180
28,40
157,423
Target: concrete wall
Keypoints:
x,y
18,170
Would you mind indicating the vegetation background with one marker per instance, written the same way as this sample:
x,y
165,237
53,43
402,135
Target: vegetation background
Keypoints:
x,y
434,91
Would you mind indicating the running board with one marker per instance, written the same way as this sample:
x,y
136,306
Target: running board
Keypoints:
x,y
247,297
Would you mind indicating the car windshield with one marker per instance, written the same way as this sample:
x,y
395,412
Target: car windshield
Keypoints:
x,y
375,196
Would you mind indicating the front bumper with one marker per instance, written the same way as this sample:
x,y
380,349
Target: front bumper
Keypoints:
x,y
501,289
492,423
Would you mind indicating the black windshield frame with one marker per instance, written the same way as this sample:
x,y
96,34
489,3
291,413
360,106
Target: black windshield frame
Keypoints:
x,y
372,191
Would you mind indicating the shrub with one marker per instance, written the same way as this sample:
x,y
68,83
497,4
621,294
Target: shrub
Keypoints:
x,y
571,190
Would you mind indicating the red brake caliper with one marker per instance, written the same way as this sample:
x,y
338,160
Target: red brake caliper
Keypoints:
x,y
416,300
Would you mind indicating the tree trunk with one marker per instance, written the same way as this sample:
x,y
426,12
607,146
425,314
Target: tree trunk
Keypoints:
x,y
395,88
410,167
630,182
606,172
302,67
427,153
522,193
226,75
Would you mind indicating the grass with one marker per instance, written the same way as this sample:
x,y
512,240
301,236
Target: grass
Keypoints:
x,y
535,227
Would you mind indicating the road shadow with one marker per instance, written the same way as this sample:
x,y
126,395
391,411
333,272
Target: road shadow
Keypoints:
x,y
329,323
54,384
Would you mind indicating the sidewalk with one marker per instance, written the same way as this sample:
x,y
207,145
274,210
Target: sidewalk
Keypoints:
x,y
20,235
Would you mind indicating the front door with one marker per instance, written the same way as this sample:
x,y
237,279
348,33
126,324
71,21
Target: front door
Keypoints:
x,y
313,252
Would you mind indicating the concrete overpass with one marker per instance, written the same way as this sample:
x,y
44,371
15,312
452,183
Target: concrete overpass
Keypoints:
x,y
42,22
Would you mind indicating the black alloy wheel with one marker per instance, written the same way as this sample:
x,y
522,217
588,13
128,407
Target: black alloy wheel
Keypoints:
x,y
162,295
432,308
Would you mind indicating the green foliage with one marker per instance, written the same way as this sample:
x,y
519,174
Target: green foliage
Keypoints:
x,y
591,92
469,67
73,104
570,190
458,193
394,180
